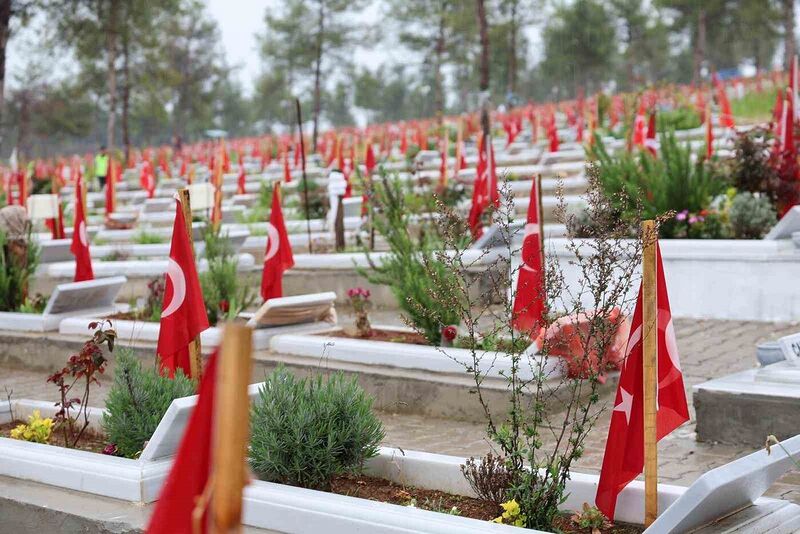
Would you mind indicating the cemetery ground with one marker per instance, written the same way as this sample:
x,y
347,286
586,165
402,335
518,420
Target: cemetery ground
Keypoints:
x,y
708,348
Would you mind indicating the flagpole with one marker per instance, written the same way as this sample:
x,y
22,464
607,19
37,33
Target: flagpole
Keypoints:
x,y
650,355
305,181
195,366
231,433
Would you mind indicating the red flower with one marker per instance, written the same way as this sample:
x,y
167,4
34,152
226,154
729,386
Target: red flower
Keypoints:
x,y
224,306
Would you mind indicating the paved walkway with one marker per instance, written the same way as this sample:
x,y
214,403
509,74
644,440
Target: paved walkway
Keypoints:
x,y
708,349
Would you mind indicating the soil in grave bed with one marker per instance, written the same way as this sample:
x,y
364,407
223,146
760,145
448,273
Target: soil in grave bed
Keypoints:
x,y
377,334
90,441
377,489
130,316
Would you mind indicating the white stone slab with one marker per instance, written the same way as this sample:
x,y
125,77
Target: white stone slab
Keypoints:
x,y
297,309
41,207
408,356
788,224
726,489
790,346
131,268
55,250
68,300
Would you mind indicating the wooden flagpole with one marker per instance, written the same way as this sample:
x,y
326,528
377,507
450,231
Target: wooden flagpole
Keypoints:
x,y
195,354
650,355
232,429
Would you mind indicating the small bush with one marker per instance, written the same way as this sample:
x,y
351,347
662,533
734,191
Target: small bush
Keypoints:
x,y
225,294
137,401
18,261
489,478
36,430
751,216
751,168
306,431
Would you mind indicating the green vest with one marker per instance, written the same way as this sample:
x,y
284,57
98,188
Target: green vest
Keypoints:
x,y
101,165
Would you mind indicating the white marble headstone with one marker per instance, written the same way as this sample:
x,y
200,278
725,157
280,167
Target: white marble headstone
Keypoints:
x,y
55,250
726,489
294,310
790,346
167,436
788,224
87,295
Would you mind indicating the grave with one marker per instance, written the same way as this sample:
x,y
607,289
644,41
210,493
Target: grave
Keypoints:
x,y
744,408
67,300
730,488
789,224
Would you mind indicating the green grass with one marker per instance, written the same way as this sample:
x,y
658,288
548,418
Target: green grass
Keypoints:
x,y
146,238
754,107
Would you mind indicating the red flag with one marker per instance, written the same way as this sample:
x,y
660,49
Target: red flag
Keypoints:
x,y
111,188
241,180
191,468
147,178
484,190
529,300
624,455
56,226
650,140
725,113
287,175
709,135
639,127
183,313
369,159
552,133
793,87
80,240
278,255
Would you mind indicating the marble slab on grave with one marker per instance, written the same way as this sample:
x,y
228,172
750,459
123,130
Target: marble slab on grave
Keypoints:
x,y
788,224
499,237
55,250
352,206
87,295
167,436
295,310
727,488
158,205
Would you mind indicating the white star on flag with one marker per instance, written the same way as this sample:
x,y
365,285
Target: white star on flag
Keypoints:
x,y
625,404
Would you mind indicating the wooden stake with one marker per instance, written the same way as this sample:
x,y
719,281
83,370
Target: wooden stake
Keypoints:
x,y
195,354
232,429
650,345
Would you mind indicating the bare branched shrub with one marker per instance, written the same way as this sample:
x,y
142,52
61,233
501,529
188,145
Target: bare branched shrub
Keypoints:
x,y
550,406
488,477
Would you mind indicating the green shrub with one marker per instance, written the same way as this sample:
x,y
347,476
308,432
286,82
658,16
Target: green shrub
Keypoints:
x,y
677,119
671,182
750,167
147,238
421,284
751,216
18,262
224,293
137,401
306,431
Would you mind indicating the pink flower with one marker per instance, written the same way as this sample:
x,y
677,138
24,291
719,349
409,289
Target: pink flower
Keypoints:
x,y
692,219
681,216
449,332
110,449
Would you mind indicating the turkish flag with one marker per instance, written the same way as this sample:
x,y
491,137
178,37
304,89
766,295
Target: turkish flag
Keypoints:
x,y
278,255
639,127
650,140
726,115
287,174
624,455
191,468
111,188
529,300
80,240
552,133
241,180
183,313
147,178
484,190
369,159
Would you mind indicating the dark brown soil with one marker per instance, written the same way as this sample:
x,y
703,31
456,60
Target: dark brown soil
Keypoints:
x,y
90,441
128,316
377,334
376,489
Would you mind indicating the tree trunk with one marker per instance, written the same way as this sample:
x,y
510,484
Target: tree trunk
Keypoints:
x,y
439,52
512,50
111,75
317,73
629,66
126,96
484,66
699,46
5,31
789,42
23,128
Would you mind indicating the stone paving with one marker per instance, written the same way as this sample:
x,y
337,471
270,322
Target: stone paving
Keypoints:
x,y
708,349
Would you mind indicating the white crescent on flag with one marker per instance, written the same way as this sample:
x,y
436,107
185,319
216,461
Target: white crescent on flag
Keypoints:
x,y
84,238
274,242
175,274
531,229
